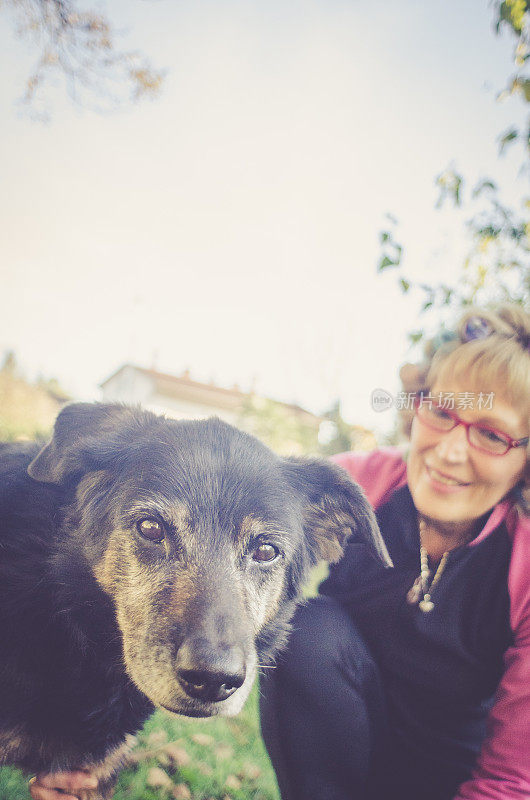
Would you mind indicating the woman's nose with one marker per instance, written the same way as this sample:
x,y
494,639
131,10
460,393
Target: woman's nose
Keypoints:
x,y
453,445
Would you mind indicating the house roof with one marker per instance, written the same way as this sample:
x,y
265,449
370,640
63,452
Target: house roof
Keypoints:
x,y
183,387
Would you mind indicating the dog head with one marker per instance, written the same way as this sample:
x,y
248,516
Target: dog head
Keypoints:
x,y
202,537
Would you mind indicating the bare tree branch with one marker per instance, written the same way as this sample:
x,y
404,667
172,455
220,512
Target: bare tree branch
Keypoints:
x,y
77,48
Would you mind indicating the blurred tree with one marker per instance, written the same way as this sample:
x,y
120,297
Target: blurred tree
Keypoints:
x,y
27,409
78,45
285,429
497,266
338,436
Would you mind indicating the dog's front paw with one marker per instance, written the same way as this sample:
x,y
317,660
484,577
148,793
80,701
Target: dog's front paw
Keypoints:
x,y
75,785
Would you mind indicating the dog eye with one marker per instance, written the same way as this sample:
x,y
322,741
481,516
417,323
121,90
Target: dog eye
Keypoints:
x,y
151,529
265,553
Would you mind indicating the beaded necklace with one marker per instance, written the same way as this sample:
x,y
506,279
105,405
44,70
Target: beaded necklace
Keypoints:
x,y
421,589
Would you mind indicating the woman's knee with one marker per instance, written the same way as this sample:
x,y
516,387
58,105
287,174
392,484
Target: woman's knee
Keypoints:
x,y
324,644
322,705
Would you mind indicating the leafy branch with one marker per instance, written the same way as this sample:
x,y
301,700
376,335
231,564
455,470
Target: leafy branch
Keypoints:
x,y
514,15
496,268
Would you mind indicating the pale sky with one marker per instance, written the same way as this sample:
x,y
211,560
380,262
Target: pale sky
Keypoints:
x,y
231,226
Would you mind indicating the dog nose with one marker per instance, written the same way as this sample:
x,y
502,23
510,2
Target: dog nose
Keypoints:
x,y
210,673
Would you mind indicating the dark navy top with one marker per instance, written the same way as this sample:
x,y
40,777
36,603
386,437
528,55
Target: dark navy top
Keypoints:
x,y
440,669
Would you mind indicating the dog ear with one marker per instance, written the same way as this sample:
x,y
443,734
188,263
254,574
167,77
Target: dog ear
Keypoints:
x,y
81,437
334,508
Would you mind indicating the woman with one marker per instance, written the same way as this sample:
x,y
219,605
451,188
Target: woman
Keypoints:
x,y
414,682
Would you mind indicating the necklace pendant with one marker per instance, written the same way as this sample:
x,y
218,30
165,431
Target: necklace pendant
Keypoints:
x,y
426,605
414,593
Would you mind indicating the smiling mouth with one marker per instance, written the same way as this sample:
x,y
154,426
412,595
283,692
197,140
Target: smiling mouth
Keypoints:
x,y
439,477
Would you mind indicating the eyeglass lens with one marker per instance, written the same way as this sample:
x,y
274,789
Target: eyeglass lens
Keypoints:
x,y
477,435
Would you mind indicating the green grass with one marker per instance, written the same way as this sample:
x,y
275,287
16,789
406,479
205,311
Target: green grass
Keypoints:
x,y
211,758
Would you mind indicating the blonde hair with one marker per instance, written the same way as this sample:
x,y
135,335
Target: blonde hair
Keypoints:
x,y
497,362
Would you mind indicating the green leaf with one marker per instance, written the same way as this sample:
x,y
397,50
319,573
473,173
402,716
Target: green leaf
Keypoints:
x,y
385,263
489,232
384,236
507,138
525,86
458,187
504,13
484,184
518,9
450,184
512,12
415,336
405,285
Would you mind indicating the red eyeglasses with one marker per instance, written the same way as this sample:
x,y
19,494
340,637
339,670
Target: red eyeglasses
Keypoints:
x,y
481,437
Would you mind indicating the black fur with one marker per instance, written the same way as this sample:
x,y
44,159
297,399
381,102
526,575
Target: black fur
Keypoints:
x,y
66,696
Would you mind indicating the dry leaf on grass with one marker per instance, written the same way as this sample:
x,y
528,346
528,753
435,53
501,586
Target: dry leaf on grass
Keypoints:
x,y
233,782
223,751
177,755
157,737
203,738
141,755
250,771
157,778
237,733
181,792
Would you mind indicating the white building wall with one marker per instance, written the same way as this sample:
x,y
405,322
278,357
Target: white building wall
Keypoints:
x,y
182,409
128,386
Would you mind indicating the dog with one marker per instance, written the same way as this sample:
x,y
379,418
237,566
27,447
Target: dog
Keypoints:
x,y
148,562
